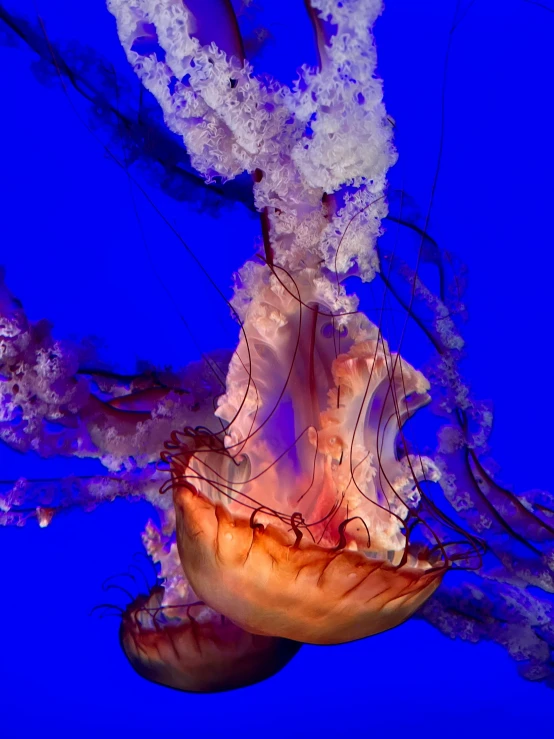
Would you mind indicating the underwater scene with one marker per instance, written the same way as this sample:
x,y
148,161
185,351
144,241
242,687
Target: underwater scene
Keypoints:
x,y
275,320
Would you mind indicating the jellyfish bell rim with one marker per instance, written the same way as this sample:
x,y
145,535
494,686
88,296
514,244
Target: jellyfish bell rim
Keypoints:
x,y
211,655
269,585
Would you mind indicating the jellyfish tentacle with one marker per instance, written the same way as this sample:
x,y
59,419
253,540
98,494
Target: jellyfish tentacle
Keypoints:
x,y
294,141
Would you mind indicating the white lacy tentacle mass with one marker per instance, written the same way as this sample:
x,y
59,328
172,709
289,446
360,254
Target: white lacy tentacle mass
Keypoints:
x,y
329,131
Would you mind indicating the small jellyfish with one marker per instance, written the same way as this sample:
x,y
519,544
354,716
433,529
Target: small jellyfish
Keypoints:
x,y
194,649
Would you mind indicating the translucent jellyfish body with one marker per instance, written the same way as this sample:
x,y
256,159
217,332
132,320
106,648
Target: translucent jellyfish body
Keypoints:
x,y
292,522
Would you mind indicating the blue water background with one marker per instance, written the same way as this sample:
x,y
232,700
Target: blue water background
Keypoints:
x,y
73,254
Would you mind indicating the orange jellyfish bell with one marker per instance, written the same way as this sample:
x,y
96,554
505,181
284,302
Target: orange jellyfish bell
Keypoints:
x,y
293,521
194,649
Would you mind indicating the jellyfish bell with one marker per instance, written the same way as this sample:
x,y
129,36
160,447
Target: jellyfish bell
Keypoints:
x,y
194,649
294,521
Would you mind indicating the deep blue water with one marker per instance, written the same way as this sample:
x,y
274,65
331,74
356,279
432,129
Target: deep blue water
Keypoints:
x,y
73,253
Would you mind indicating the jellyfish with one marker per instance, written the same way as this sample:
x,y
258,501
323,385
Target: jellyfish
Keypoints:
x,y
294,505
294,523
315,401
298,522
194,649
